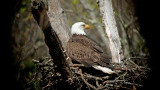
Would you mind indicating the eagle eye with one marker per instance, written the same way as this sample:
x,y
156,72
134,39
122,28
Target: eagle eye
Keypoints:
x,y
83,25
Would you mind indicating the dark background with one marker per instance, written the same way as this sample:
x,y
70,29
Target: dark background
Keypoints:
x,y
147,11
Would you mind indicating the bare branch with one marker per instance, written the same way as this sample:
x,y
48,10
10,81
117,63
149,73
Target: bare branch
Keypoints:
x,y
111,30
86,81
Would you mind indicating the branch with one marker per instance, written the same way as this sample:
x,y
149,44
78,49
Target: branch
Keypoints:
x,y
111,30
50,17
86,81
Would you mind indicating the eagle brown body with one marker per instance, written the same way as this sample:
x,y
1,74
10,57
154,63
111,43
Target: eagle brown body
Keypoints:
x,y
85,51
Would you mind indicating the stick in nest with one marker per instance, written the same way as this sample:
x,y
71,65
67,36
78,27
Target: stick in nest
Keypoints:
x,y
88,84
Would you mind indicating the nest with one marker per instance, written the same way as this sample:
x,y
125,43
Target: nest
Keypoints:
x,y
129,75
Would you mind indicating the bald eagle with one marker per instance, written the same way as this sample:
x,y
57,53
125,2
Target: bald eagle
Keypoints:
x,y
85,51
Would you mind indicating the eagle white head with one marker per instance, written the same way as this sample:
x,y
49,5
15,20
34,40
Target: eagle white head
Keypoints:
x,y
78,28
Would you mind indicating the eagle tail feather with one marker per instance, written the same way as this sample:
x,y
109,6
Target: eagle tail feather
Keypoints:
x,y
103,69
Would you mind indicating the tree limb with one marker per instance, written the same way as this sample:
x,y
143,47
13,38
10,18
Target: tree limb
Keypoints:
x,y
111,30
50,17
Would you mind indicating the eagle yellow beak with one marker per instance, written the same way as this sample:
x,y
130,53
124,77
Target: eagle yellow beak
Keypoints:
x,y
87,26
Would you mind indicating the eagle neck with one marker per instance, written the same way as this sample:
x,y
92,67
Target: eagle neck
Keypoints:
x,y
74,35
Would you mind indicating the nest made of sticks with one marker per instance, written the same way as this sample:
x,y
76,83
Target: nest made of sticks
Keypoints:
x,y
129,75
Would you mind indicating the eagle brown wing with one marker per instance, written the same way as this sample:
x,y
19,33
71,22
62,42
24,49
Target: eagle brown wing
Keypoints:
x,y
85,51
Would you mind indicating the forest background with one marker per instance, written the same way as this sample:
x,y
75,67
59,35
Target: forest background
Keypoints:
x,y
25,40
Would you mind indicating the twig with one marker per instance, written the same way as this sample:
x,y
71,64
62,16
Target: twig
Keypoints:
x,y
130,60
121,68
138,58
112,81
126,87
35,61
94,77
98,84
134,84
123,75
78,65
88,84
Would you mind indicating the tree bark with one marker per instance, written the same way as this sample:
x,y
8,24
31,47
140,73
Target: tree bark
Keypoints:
x,y
50,17
58,22
111,30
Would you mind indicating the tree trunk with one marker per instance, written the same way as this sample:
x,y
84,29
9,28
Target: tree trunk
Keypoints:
x,y
111,30
50,17
58,22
